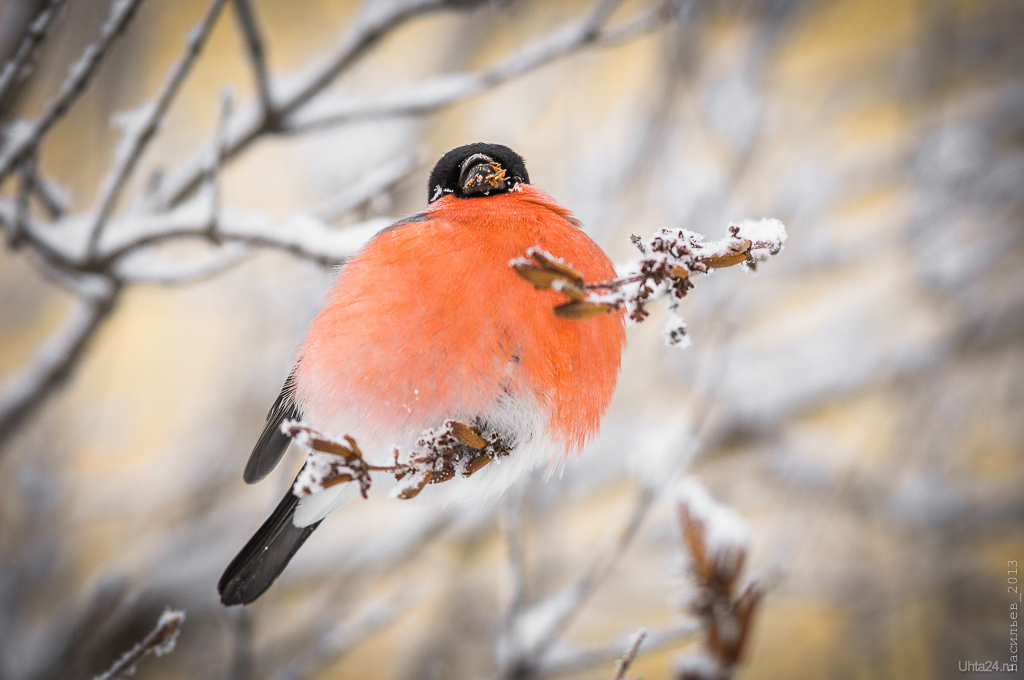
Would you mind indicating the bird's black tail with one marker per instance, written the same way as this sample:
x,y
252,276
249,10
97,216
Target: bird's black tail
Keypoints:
x,y
265,556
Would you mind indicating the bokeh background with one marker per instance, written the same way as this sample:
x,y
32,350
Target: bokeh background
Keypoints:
x,y
859,400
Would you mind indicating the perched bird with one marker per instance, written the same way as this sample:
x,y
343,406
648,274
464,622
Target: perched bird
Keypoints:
x,y
429,322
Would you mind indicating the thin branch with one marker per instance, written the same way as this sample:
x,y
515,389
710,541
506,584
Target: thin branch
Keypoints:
x,y
52,195
138,135
300,234
218,158
512,526
254,45
63,243
78,629
26,171
563,662
369,186
249,125
161,641
623,665
81,72
590,579
447,90
369,33
156,268
243,662
20,62
337,642
54,361
539,627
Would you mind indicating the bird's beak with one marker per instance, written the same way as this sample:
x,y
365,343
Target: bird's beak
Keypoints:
x,y
481,174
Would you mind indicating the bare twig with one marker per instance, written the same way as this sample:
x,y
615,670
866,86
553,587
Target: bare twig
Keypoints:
x,y
242,659
256,51
337,642
559,662
161,641
368,187
538,627
21,61
24,393
512,525
622,667
81,72
78,629
138,134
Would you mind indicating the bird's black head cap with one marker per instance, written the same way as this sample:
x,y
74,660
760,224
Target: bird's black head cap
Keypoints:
x,y
476,170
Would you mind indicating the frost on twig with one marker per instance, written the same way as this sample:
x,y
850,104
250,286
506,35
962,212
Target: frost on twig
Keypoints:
x,y
716,539
159,642
441,453
663,268
623,664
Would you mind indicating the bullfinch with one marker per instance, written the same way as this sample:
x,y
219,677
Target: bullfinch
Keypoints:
x,y
430,323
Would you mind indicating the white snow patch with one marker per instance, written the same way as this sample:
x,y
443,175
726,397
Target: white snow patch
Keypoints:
x,y
724,529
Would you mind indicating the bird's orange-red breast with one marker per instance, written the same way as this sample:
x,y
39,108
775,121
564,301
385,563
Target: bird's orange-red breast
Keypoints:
x,y
429,322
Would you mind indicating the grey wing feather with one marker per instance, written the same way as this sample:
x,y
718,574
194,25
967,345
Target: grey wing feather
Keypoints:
x,y
272,442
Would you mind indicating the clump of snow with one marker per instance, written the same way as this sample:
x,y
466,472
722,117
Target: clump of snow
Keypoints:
x,y
674,332
537,623
171,620
319,471
698,667
767,235
132,124
410,485
724,529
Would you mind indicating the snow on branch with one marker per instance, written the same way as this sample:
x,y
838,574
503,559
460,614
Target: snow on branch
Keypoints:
x,y
24,392
256,52
79,76
662,269
623,665
443,91
441,453
251,123
141,125
20,63
717,541
159,642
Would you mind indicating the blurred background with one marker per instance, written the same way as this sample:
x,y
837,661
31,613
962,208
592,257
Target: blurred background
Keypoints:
x,y
859,400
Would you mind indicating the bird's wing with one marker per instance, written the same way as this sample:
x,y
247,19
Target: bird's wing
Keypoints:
x,y
265,556
272,443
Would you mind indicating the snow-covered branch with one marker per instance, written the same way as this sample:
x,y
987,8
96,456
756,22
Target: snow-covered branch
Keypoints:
x,y
54,361
717,541
256,52
535,631
443,91
663,268
161,641
21,62
291,94
141,125
29,135
441,453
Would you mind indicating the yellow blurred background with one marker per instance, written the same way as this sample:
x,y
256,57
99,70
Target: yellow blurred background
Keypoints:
x,y
859,400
